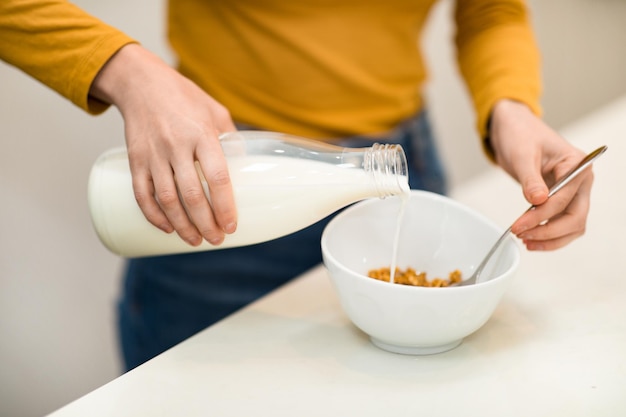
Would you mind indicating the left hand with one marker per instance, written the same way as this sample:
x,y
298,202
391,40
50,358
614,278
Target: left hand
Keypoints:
x,y
536,156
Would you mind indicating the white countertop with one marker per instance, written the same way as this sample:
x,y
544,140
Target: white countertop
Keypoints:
x,y
556,345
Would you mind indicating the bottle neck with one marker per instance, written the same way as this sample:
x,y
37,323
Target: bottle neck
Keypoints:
x,y
385,163
388,167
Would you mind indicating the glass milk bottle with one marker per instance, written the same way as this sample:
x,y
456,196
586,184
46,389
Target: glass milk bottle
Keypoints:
x,y
281,183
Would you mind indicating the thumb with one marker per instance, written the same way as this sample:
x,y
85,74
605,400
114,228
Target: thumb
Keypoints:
x,y
533,186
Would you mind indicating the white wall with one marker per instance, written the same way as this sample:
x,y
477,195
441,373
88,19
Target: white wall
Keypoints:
x,y
58,285
583,55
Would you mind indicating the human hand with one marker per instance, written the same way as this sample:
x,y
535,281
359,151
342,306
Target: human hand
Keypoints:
x,y
170,123
536,156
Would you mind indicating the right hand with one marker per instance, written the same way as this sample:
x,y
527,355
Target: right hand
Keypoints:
x,y
536,156
170,123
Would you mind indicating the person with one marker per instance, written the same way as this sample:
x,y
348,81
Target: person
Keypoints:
x,y
345,72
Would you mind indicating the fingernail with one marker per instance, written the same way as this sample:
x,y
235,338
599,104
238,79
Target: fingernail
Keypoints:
x,y
520,231
230,227
216,240
194,241
166,227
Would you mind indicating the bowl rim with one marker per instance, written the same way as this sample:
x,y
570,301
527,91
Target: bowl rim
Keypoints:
x,y
398,287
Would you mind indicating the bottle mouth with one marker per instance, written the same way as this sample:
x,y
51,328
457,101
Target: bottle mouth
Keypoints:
x,y
388,165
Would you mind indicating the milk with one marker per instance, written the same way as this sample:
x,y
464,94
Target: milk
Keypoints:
x,y
275,196
396,238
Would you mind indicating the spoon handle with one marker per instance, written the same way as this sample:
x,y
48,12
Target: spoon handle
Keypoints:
x,y
587,160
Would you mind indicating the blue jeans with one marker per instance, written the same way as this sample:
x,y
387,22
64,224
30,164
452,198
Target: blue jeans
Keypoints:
x,y
167,299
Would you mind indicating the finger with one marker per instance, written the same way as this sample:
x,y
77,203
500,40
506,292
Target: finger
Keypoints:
x,y
166,194
196,204
552,244
143,189
572,200
528,171
560,230
215,171
225,124
540,214
562,225
222,119
570,222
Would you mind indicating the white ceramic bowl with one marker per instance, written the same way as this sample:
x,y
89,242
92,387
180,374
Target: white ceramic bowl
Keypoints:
x,y
438,235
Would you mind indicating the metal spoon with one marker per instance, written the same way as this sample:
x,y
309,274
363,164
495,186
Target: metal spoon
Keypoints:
x,y
475,278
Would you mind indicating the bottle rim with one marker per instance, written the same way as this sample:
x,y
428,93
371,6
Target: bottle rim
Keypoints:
x,y
388,165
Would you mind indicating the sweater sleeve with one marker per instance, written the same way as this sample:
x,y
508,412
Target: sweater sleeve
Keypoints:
x,y
58,44
497,55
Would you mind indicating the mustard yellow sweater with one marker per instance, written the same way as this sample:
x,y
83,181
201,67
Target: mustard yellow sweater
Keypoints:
x,y
317,68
